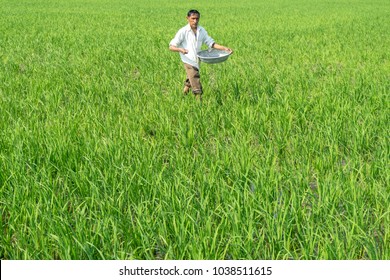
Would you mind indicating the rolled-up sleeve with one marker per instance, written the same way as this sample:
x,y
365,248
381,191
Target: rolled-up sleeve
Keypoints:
x,y
207,40
177,40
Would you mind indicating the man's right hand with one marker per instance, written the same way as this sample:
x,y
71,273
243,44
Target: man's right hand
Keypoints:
x,y
176,49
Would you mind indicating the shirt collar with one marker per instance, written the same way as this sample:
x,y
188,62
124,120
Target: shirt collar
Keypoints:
x,y
188,28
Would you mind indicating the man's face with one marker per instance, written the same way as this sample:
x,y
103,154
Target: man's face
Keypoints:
x,y
193,20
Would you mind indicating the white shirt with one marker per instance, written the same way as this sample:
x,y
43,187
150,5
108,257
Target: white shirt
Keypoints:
x,y
186,38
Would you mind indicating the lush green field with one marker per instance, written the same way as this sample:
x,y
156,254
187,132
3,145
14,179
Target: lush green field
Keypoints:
x,y
102,157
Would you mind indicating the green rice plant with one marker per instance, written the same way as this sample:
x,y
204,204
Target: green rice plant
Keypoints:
x,y
102,157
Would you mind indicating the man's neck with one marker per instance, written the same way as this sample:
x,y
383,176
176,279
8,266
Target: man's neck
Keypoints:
x,y
195,30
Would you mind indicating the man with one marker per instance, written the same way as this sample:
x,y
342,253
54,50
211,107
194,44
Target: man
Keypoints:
x,y
188,42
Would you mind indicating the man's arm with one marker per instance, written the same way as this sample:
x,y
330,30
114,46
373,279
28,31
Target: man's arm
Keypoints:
x,y
222,48
176,49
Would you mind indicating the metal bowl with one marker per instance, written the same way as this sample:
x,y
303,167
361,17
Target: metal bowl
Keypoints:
x,y
213,56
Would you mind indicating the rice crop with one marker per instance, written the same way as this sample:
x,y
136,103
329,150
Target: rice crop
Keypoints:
x,y
102,157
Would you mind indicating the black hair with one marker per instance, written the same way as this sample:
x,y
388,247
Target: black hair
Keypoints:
x,y
191,12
